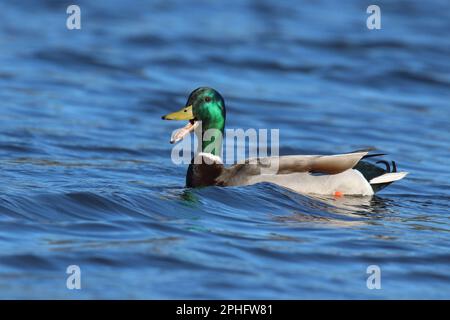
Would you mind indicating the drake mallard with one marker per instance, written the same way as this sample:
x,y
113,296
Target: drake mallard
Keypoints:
x,y
339,174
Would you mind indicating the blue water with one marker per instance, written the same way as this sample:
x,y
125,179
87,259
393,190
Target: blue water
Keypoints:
x,y
85,160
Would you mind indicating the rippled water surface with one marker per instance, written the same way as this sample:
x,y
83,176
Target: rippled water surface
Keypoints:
x,y
85,160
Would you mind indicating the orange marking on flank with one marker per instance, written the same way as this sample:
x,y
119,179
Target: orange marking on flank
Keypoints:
x,y
338,194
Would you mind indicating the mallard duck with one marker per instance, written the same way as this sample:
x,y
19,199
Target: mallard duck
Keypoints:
x,y
339,174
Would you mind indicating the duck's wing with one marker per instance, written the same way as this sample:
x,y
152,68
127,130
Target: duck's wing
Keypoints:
x,y
241,174
329,164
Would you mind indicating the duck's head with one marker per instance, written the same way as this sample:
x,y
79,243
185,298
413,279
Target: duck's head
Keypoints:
x,y
204,104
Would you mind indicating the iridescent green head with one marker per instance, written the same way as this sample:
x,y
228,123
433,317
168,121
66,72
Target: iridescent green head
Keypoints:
x,y
206,105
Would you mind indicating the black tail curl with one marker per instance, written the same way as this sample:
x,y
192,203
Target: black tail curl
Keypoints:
x,y
388,166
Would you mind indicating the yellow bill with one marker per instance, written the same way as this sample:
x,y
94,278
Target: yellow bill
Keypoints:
x,y
183,114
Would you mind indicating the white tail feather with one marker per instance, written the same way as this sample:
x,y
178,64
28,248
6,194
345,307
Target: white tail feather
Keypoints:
x,y
388,177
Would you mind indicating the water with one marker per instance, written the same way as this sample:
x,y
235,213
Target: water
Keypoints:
x,y
85,160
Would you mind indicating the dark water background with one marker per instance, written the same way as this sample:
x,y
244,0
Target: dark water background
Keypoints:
x,y
85,160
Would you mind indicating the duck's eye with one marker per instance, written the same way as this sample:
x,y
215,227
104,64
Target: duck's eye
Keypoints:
x,y
207,99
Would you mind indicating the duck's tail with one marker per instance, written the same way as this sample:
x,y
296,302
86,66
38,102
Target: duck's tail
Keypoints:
x,y
386,179
378,177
